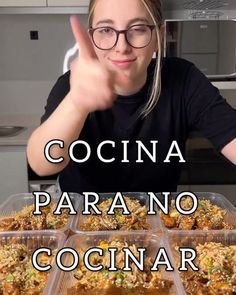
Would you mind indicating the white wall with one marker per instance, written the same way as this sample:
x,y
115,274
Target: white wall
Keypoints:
x,y
29,68
22,97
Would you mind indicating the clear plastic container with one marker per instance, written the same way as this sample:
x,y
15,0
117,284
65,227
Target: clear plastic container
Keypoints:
x,y
62,281
216,199
17,202
34,240
143,198
191,241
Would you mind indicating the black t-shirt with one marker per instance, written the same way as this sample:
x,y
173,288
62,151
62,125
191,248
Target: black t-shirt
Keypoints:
x,y
188,102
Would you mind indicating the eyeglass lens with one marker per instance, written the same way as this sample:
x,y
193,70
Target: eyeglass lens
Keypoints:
x,y
137,36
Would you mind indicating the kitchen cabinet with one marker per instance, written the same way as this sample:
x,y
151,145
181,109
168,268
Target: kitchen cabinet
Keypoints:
x,y
67,3
23,3
44,6
13,171
43,3
209,44
207,63
199,37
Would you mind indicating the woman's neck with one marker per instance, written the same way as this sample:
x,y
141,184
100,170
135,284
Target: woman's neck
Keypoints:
x,y
133,88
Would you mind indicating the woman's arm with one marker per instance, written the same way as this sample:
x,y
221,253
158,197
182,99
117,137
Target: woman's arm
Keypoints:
x,y
92,87
65,123
229,151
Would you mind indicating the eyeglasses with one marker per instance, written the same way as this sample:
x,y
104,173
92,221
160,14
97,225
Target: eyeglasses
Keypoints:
x,y
137,36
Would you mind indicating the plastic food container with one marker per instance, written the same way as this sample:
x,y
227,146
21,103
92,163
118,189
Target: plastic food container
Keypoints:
x,y
191,241
17,202
62,281
216,199
34,240
143,198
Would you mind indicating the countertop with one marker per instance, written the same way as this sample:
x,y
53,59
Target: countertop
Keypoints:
x,y
30,122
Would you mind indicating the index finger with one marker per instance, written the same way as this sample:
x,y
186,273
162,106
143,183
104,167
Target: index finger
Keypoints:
x,y
86,49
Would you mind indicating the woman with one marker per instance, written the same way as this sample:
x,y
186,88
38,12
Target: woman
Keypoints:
x,y
115,91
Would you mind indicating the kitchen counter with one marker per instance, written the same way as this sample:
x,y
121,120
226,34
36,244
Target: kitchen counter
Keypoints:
x,y
30,122
225,85
13,163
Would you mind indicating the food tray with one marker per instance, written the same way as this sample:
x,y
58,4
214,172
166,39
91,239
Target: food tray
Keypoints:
x,y
16,203
143,198
191,241
61,281
34,240
216,199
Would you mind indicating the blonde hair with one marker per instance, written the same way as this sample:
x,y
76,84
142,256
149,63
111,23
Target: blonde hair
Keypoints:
x,y
154,8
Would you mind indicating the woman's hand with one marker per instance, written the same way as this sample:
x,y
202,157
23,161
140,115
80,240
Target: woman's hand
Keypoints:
x,y
92,86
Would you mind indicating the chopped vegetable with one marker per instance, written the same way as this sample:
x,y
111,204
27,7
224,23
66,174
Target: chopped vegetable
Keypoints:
x,y
207,216
136,220
18,276
217,271
26,220
118,282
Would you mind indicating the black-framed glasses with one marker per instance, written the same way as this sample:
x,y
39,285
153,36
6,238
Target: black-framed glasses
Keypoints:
x,y
137,36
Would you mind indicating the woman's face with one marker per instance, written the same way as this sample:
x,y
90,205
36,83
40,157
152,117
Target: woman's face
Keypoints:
x,y
120,15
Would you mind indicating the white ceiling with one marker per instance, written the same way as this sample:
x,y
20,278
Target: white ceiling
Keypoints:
x,y
199,4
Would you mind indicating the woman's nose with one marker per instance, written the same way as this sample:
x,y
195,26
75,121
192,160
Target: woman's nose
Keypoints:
x,y
122,45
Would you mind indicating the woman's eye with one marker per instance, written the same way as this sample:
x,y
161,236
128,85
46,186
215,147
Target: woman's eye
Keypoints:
x,y
105,31
139,29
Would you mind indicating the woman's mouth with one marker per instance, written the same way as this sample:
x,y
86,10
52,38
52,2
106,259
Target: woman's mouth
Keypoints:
x,y
123,63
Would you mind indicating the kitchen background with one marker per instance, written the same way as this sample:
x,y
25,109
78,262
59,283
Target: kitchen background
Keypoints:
x,y
34,38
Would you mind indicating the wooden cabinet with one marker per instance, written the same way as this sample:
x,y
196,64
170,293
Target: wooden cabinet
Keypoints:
x,y
13,171
67,3
23,3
